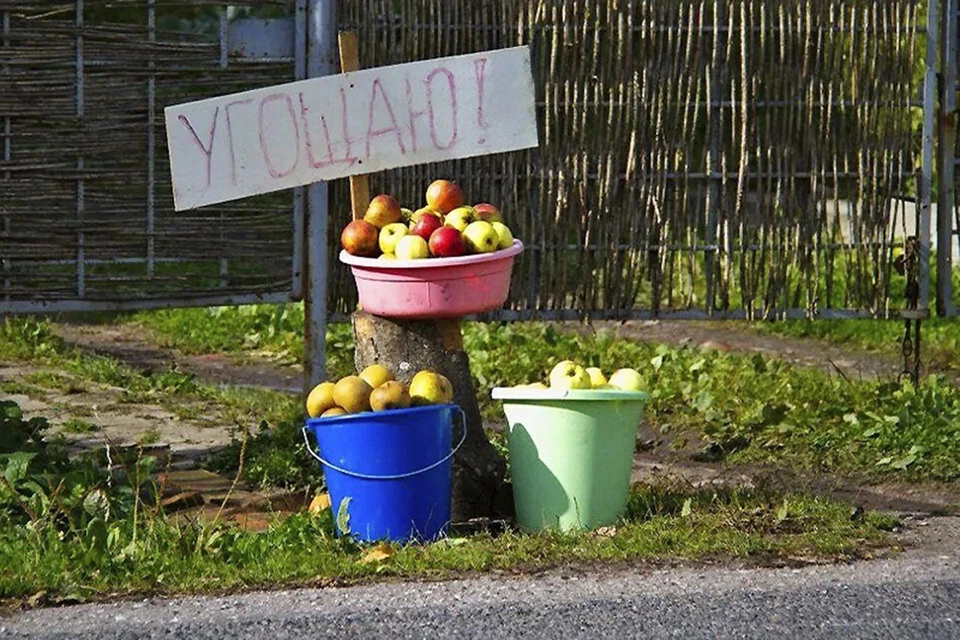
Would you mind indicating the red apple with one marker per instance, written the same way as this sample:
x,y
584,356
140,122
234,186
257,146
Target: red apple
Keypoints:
x,y
446,242
383,210
444,196
360,238
425,226
488,212
423,211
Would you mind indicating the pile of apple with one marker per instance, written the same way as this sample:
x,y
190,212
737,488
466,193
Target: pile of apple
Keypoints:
x,y
376,389
444,228
570,375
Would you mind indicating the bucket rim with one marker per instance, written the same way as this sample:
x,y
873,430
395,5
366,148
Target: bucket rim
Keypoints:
x,y
367,416
401,266
598,395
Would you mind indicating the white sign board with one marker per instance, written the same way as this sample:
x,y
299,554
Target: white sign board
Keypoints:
x,y
294,134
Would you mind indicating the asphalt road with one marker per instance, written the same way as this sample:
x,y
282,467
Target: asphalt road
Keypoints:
x,y
915,595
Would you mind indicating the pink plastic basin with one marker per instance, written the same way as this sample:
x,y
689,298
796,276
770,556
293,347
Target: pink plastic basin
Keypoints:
x,y
434,287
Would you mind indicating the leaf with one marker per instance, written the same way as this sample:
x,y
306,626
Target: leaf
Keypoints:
x,y
783,511
455,542
17,466
657,362
343,517
97,535
687,507
698,365
869,433
703,401
903,463
320,503
851,418
379,553
97,504
883,461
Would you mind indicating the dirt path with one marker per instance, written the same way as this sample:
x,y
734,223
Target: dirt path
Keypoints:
x,y
832,358
130,344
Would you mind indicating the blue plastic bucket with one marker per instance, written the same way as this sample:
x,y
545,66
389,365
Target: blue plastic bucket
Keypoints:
x,y
388,471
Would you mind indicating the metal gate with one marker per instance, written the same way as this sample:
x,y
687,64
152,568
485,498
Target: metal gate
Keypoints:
x,y
722,158
948,213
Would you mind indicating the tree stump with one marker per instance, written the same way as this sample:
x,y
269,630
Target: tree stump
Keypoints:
x,y
408,346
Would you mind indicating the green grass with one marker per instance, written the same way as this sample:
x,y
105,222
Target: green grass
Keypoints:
x,y
79,426
662,523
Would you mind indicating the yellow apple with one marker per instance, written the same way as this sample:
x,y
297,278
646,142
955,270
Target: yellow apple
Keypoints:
x,y
569,375
320,399
430,387
412,247
627,380
480,237
504,234
390,235
597,379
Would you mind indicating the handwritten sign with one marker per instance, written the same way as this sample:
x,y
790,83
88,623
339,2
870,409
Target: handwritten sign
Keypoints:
x,y
294,134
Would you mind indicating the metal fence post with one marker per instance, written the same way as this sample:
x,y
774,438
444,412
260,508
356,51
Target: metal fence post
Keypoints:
x,y
926,168
7,158
947,140
81,204
321,21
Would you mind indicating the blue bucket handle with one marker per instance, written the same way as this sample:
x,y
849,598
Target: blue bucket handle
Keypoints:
x,y
399,476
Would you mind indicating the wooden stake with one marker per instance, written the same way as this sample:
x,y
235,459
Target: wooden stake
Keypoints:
x,y
359,185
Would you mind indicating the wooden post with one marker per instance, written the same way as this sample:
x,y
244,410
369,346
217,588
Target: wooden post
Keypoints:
x,y
406,347
359,185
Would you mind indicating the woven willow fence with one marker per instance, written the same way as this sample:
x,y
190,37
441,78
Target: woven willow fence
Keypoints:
x,y
720,156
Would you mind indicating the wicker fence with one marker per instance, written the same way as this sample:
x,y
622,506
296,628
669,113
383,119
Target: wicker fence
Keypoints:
x,y
716,157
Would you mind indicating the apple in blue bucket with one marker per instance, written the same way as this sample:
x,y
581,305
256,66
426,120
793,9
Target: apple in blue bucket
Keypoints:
x,y
376,389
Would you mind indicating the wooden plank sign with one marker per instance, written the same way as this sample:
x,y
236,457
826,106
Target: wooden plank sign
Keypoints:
x,y
294,134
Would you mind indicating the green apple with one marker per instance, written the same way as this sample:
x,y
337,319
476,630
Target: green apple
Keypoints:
x,y
569,375
480,237
390,235
412,247
597,379
460,218
627,380
503,232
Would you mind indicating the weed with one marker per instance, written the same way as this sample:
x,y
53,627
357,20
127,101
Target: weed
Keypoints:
x,y
79,426
148,437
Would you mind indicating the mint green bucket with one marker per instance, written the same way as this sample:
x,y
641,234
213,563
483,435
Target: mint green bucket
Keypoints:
x,y
571,454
